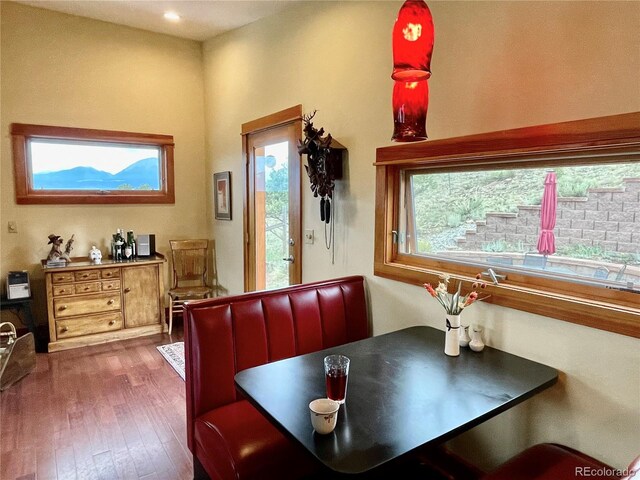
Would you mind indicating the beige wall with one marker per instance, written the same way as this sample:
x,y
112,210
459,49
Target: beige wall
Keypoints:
x,y
70,71
496,65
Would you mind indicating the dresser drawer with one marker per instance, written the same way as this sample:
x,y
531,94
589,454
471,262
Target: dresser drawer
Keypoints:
x,y
88,325
87,287
83,275
62,277
62,290
110,285
107,273
82,305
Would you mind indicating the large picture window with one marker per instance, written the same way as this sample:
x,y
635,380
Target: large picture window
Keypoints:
x,y
550,215
497,218
71,165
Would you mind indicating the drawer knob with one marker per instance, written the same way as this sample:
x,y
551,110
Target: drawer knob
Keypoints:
x,y
62,291
85,275
64,329
110,302
86,288
127,290
108,274
62,307
112,322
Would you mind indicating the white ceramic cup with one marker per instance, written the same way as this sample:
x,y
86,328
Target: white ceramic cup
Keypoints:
x,y
324,415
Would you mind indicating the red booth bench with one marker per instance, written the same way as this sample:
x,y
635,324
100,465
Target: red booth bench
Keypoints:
x,y
548,461
228,437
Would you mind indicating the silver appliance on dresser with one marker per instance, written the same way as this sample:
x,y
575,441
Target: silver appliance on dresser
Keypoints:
x,y
146,244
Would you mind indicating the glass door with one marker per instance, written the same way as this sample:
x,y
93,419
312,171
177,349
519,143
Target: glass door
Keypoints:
x,y
272,255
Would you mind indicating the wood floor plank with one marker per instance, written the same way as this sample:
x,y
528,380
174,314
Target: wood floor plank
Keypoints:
x,y
30,476
26,462
46,462
104,465
66,463
181,459
124,464
113,411
162,464
144,464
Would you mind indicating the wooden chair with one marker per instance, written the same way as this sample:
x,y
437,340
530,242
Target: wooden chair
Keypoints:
x,y
190,258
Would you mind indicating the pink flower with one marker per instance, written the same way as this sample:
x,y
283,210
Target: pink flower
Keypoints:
x,y
430,289
473,296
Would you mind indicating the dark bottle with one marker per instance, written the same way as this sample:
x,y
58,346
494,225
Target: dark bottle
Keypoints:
x,y
119,245
131,242
127,247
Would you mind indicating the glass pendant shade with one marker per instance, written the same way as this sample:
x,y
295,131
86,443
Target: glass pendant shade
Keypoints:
x,y
410,103
413,42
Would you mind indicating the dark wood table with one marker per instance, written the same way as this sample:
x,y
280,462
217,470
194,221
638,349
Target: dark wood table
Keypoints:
x,y
403,392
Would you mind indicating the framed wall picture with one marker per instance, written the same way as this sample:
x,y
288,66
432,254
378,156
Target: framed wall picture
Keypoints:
x,y
222,192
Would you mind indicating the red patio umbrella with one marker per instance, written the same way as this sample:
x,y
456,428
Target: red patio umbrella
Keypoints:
x,y
546,239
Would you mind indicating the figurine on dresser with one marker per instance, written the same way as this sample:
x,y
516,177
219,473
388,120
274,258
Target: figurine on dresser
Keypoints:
x,y
95,255
66,255
56,255
56,247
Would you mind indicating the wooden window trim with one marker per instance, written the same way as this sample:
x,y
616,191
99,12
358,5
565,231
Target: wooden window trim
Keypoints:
x,y
605,139
26,195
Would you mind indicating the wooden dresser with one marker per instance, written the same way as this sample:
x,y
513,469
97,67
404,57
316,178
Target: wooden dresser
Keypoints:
x,y
89,303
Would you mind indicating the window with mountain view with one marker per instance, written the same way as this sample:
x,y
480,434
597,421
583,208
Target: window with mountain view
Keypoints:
x,y
73,165
63,165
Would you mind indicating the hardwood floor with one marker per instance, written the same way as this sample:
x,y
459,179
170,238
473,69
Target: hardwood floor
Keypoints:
x,y
117,411
112,411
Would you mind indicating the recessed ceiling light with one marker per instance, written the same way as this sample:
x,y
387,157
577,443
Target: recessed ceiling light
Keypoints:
x,y
173,16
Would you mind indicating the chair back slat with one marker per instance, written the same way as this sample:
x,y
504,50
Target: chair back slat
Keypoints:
x,y
189,262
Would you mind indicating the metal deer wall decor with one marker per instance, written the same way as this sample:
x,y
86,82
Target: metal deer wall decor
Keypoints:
x,y
324,167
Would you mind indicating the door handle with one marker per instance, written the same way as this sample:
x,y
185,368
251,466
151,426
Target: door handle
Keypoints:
x,y
288,259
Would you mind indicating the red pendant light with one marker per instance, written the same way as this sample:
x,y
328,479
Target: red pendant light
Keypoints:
x,y
412,48
412,42
410,103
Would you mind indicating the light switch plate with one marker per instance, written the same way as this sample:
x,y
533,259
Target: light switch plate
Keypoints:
x,y
12,227
308,237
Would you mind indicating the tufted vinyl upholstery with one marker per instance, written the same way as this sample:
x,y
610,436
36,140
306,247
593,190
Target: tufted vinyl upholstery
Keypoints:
x,y
228,334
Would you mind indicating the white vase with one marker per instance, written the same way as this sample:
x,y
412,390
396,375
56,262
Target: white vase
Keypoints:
x,y
476,344
452,338
464,336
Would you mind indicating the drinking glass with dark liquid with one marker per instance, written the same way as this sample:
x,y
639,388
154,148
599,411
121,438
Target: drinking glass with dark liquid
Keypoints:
x,y
336,371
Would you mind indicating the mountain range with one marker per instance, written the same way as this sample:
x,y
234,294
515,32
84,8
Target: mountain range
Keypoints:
x,y
144,173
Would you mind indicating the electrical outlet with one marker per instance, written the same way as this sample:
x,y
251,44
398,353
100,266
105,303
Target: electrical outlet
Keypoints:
x,y
12,227
308,237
